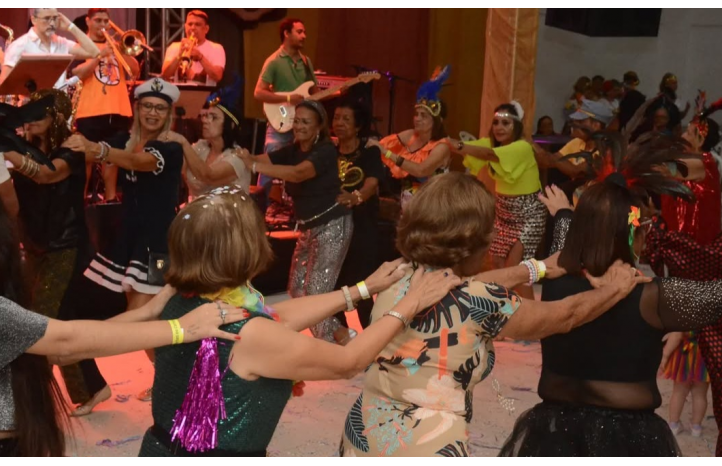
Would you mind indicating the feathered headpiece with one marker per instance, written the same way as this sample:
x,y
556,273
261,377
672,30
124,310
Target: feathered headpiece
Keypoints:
x,y
702,113
428,94
519,112
638,166
225,98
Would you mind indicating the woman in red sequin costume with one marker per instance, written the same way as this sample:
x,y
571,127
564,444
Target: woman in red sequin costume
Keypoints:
x,y
691,244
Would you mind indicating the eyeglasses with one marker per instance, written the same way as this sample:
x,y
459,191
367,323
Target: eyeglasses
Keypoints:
x,y
48,19
210,117
148,108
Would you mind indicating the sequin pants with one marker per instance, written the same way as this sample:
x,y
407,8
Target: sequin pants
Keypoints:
x,y
316,263
710,344
518,218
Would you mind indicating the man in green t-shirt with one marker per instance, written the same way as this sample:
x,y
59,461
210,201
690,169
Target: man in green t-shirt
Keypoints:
x,y
285,70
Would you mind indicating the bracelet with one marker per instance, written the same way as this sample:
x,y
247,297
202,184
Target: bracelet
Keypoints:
x,y
460,145
360,198
347,296
104,152
542,269
29,167
363,289
388,154
253,167
399,161
403,319
177,330
532,271
70,28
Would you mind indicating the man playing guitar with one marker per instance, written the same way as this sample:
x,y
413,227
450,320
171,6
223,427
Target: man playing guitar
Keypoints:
x,y
285,70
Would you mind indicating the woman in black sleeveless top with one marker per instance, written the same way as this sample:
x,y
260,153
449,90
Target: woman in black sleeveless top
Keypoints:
x,y
598,382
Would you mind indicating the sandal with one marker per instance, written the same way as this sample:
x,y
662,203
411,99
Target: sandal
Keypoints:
x,y
87,407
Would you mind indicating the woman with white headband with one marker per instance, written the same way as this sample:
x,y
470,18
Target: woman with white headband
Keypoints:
x,y
520,216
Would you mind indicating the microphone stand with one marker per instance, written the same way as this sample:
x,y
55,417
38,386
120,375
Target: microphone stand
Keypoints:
x,y
392,78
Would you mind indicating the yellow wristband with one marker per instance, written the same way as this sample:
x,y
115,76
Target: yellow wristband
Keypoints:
x,y
388,154
288,98
541,268
363,290
177,330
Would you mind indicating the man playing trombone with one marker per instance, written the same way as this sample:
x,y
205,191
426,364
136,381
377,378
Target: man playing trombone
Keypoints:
x,y
104,109
195,58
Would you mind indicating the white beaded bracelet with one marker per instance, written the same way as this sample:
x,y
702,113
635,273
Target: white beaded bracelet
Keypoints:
x,y
349,301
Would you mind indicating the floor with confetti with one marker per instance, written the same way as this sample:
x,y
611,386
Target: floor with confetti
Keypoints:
x,y
312,424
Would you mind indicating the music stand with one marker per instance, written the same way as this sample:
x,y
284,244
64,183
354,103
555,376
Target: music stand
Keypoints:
x,y
192,98
33,72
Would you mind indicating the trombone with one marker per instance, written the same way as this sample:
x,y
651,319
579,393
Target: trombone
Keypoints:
x,y
132,41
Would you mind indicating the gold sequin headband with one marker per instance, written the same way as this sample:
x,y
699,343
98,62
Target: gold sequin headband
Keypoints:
x,y
506,115
217,103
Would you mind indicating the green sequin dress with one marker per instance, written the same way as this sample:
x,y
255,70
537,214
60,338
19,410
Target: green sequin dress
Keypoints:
x,y
253,408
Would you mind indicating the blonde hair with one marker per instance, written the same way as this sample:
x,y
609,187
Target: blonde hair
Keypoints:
x,y
135,128
217,241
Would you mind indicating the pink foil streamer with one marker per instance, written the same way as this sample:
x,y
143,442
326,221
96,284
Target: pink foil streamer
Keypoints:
x,y
195,424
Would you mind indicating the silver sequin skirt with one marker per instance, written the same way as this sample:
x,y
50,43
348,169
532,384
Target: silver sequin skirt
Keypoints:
x,y
518,218
316,263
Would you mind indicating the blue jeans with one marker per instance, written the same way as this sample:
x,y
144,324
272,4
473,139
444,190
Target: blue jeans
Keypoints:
x,y
274,141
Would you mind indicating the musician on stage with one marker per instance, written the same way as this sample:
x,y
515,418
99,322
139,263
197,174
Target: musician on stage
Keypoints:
x,y
41,39
104,105
207,58
283,71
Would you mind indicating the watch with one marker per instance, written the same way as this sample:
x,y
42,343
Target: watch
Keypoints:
x,y
460,145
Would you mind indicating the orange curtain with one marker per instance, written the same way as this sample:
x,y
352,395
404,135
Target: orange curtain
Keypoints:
x,y
510,62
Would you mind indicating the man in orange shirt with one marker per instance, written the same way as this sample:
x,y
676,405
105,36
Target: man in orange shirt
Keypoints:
x,y
104,105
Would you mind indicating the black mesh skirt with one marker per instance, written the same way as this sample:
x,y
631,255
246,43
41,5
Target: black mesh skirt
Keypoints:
x,y
561,430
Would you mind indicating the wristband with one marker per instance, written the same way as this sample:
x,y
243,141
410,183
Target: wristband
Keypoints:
x,y
177,330
542,269
288,98
363,289
388,154
403,319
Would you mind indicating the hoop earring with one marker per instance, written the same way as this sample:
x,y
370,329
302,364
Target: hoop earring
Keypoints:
x,y
318,135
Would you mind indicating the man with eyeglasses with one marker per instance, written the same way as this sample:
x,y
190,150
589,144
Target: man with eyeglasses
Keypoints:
x,y
104,106
41,39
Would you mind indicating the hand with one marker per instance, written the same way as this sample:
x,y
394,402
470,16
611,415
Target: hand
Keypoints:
x,y
196,54
386,275
297,99
555,200
620,275
63,22
78,143
245,156
428,288
172,136
106,52
671,342
347,199
203,321
372,142
553,269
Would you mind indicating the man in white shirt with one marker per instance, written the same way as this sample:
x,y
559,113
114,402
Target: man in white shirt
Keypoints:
x,y
207,59
41,39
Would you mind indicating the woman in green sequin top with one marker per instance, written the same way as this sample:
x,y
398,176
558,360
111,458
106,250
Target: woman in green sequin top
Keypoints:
x,y
217,245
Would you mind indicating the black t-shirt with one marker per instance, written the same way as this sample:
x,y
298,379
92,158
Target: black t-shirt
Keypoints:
x,y
318,194
368,161
53,215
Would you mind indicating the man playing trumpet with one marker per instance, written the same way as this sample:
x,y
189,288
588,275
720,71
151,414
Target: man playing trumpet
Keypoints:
x,y
201,60
104,106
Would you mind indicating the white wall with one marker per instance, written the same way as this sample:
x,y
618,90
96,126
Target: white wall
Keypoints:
x,y
689,44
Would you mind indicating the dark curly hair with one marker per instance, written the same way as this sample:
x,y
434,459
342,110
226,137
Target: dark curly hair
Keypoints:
x,y
450,218
60,112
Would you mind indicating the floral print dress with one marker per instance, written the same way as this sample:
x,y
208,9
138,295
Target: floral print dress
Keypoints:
x,y
417,398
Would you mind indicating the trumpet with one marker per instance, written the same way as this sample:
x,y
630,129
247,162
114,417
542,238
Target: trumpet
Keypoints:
x,y
132,42
185,59
9,33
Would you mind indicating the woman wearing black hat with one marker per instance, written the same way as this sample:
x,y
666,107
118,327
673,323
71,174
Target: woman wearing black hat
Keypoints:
x,y
150,175
310,170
